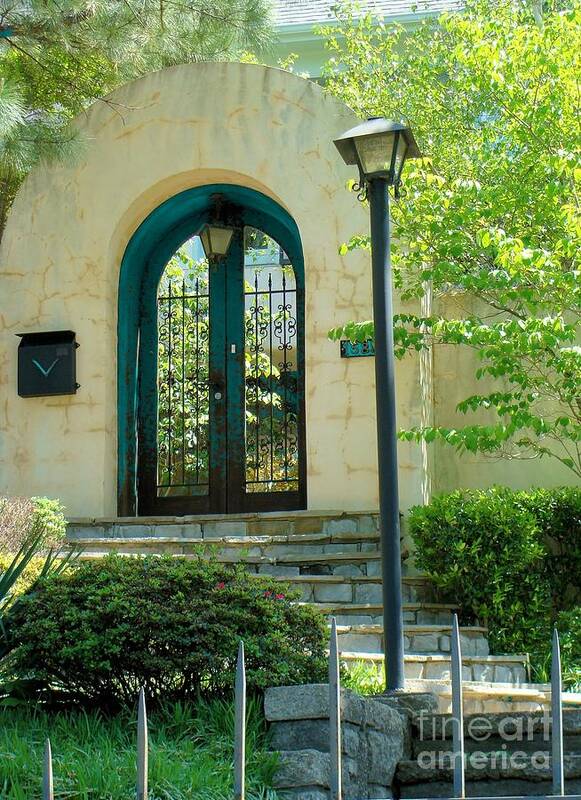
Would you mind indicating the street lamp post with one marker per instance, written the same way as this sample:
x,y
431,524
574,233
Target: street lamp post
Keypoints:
x,y
379,148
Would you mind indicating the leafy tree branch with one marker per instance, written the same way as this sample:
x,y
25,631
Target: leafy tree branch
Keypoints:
x,y
57,57
490,220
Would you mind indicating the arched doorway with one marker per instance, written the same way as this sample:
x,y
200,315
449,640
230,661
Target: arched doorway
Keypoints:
x,y
211,361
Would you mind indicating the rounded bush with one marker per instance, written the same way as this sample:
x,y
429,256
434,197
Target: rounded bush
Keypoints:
x,y
173,626
511,559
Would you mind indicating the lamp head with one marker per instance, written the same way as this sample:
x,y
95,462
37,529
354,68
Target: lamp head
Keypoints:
x,y
379,148
216,235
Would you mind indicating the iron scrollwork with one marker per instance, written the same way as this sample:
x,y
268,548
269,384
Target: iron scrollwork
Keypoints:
x,y
183,387
272,440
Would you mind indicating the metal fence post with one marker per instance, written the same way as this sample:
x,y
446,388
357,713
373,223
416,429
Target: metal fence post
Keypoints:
x,y
142,748
335,777
457,712
240,726
47,777
557,718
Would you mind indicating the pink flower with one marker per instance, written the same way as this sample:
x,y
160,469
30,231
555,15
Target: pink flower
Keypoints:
x,y
280,597
220,585
268,594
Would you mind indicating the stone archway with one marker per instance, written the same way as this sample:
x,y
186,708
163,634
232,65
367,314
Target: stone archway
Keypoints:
x,y
170,132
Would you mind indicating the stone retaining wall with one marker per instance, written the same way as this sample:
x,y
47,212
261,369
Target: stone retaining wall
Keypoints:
x,y
375,738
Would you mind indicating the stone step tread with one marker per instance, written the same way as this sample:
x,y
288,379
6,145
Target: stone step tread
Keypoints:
x,y
410,580
510,789
511,690
491,768
378,629
439,728
495,744
349,655
488,690
377,608
289,558
229,541
253,515
417,667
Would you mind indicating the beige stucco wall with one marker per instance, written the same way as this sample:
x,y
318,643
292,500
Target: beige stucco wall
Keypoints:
x,y
60,257
453,373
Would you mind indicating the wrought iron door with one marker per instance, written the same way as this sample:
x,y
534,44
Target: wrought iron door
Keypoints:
x,y
221,418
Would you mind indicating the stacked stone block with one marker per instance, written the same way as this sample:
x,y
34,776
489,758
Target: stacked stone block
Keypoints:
x,y
374,740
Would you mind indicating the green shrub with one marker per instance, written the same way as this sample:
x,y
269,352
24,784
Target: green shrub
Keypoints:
x,y
20,574
364,677
558,514
568,624
510,559
108,627
569,627
25,518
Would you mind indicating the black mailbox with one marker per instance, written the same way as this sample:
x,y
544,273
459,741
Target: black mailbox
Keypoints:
x,y
47,364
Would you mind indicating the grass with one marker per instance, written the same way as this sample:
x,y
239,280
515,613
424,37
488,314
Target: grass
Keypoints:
x,y
571,674
190,753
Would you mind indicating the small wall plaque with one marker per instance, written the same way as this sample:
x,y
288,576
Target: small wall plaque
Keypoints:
x,y
357,349
47,364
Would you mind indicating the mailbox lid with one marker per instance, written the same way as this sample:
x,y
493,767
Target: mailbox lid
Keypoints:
x,y
46,337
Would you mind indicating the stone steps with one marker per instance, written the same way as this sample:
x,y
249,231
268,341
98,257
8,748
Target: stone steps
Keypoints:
x,y
495,733
494,766
285,564
358,590
496,744
491,776
437,728
305,543
334,562
417,639
363,635
214,526
506,754
406,753
496,696
504,788
435,671
372,613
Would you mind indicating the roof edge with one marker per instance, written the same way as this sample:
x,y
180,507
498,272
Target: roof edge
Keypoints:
x,y
305,31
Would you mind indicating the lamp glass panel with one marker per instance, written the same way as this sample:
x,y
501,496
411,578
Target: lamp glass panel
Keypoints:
x,y
375,152
216,240
205,239
220,238
401,150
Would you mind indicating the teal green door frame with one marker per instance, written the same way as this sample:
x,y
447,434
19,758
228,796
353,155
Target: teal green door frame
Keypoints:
x,y
147,253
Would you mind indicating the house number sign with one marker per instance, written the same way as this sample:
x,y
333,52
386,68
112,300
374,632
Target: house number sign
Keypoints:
x,y
357,349
47,364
